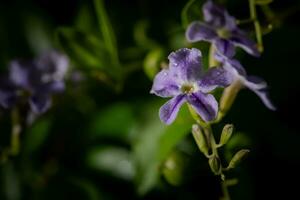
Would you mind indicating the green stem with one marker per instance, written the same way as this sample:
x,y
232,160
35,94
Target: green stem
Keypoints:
x,y
15,132
212,62
256,23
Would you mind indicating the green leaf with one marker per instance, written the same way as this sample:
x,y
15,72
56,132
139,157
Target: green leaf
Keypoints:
x,y
153,61
85,49
174,167
155,142
36,135
115,161
107,31
191,11
104,122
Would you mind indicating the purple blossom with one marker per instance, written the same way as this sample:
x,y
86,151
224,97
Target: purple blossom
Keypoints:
x,y
185,81
237,72
37,79
221,29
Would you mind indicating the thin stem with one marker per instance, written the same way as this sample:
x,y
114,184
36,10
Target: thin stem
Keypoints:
x,y
15,132
256,23
225,191
212,61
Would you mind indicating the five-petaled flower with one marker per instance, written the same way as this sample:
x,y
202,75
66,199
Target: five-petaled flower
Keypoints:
x,y
221,29
36,79
238,73
185,81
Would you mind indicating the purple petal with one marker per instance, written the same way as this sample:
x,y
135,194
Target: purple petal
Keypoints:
x,y
53,87
198,31
40,103
242,40
264,96
7,98
18,73
233,66
204,104
217,16
8,93
215,77
165,84
169,110
259,87
186,64
53,63
225,47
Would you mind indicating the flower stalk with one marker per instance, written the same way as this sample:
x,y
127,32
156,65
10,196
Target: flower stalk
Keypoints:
x,y
15,132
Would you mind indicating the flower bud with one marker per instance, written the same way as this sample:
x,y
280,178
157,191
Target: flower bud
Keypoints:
x,y
215,165
226,134
237,158
200,139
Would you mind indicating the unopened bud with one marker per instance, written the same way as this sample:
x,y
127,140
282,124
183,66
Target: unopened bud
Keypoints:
x,y
226,134
215,165
237,158
201,139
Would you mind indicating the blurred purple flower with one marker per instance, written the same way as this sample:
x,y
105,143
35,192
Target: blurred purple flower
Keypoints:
x,y
185,81
38,78
256,84
221,29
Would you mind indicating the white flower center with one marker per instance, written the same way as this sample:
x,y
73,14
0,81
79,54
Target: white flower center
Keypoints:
x,y
188,88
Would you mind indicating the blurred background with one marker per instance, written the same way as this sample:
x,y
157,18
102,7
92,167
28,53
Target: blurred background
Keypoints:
x,y
102,138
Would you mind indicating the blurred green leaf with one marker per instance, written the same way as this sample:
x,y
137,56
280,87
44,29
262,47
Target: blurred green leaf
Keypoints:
x,y
115,121
85,49
190,12
36,135
115,161
153,61
90,190
107,31
154,143
174,167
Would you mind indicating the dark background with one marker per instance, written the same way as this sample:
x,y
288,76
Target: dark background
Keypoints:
x,y
53,159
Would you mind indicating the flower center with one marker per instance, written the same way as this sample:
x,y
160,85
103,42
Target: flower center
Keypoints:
x,y
223,33
187,88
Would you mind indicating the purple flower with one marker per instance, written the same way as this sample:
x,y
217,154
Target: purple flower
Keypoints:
x,y
221,29
237,72
38,79
185,81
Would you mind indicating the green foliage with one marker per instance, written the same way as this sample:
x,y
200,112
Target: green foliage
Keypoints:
x,y
115,121
111,160
154,143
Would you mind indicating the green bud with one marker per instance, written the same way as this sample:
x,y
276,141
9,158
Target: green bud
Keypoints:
x,y
226,134
201,139
237,158
215,165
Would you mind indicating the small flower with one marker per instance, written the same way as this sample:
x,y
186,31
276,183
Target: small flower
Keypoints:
x,y
221,29
238,73
38,79
185,81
